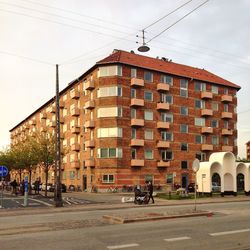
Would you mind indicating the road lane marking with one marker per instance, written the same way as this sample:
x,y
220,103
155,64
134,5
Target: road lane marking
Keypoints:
x,y
230,232
178,238
42,202
123,246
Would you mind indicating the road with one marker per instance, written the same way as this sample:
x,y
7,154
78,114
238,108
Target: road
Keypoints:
x,y
229,228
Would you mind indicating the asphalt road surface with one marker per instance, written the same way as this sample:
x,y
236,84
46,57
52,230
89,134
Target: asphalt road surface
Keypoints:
x,y
229,228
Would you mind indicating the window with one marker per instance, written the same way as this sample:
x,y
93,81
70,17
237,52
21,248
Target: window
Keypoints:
x,y
200,86
225,107
184,88
215,140
166,98
109,152
166,79
148,115
214,89
166,154
214,123
215,106
200,104
109,91
148,134
133,153
109,112
225,124
169,178
225,140
148,76
133,113
133,93
149,154
149,177
110,71
166,117
133,133
184,128
72,140
184,146
108,178
166,136
199,122
133,73
72,175
200,139
109,132
184,110
184,164
200,156
225,91
148,96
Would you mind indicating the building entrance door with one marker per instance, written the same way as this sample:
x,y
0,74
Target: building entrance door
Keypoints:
x,y
184,181
84,182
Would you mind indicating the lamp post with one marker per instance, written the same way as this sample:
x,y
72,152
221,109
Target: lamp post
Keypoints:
x,y
195,167
58,189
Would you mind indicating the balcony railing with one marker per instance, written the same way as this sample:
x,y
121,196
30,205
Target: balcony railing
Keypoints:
x,y
75,130
75,147
206,112
89,124
227,148
137,122
163,144
206,130
90,144
226,98
137,163
162,87
137,102
163,125
89,163
226,131
207,147
163,164
75,112
226,115
137,143
163,106
89,85
206,95
75,94
136,82
90,104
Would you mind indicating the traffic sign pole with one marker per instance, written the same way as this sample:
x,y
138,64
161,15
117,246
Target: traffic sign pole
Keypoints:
x,y
26,184
3,173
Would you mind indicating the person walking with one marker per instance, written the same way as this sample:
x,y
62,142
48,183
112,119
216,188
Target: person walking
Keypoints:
x,y
150,191
14,186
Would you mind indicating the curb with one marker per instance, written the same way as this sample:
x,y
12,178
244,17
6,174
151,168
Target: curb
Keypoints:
x,y
120,220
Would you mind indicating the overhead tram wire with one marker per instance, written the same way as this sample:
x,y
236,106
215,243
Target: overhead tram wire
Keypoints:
x,y
61,16
27,58
61,23
78,14
190,12
167,14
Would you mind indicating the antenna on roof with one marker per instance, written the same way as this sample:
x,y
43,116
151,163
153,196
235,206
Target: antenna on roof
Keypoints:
x,y
143,47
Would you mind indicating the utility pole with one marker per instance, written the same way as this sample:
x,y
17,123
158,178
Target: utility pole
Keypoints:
x,y
58,189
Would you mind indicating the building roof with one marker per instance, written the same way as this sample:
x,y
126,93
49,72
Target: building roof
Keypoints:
x,y
165,66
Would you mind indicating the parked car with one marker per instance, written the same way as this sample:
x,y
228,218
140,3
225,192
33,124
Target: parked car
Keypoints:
x,y
48,186
215,187
52,188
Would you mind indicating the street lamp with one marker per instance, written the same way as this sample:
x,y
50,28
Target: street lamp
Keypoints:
x,y
195,167
58,189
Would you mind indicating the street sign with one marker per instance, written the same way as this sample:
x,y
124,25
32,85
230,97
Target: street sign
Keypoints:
x,y
3,171
196,165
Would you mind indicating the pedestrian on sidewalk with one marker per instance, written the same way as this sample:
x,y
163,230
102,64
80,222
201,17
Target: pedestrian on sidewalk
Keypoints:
x,y
14,187
150,191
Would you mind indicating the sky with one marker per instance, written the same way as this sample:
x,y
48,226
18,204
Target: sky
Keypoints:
x,y
35,35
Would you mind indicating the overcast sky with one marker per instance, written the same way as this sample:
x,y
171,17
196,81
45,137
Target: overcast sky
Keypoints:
x,y
77,33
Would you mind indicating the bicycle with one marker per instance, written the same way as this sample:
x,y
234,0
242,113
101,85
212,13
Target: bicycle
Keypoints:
x,y
112,190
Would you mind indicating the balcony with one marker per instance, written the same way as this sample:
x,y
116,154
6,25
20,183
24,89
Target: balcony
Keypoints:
x,y
43,129
162,87
75,112
163,164
90,104
227,148
163,125
89,163
137,102
89,85
206,130
75,147
75,130
162,106
43,115
206,112
137,143
137,163
61,135
206,95
89,124
163,144
226,131
207,147
32,122
53,124
74,94
90,144
61,119
136,82
61,104
75,164
137,122
226,115
52,109
226,98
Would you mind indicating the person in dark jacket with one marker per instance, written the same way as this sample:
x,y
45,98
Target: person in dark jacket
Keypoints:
x,y
14,187
150,191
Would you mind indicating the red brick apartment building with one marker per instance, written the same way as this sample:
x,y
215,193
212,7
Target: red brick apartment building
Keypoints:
x,y
132,118
248,150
